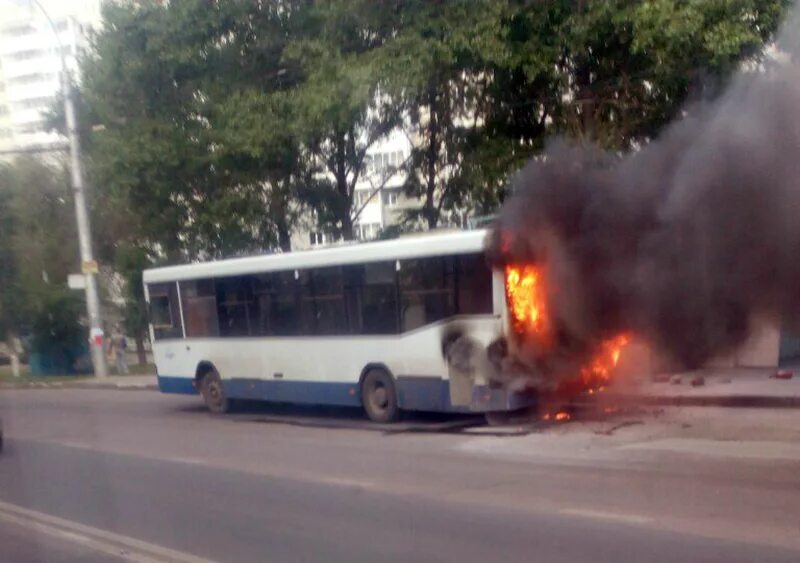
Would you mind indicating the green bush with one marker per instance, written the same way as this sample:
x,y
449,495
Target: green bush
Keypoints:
x,y
56,327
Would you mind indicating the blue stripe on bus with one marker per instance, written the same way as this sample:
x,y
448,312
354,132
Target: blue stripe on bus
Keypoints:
x,y
433,394
413,393
424,394
299,392
179,385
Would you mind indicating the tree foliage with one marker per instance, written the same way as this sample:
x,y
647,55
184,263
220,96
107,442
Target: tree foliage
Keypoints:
x,y
341,110
190,139
225,122
36,219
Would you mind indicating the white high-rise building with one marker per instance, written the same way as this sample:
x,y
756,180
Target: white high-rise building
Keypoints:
x,y
30,64
378,198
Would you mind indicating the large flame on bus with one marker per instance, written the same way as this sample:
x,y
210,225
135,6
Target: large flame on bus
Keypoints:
x,y
596,373
527,303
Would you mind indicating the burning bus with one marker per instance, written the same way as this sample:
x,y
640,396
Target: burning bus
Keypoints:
x,y
530,354
422,323
418,324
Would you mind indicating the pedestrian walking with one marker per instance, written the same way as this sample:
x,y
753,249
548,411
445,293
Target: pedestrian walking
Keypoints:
x,y
120,347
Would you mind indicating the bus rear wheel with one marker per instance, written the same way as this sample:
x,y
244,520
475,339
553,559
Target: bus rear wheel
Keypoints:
x,y
213,393
379,397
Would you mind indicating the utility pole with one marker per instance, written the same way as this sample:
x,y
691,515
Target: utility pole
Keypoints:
x,y
88,264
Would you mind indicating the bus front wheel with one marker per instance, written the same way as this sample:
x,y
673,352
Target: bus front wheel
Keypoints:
x,y
379,397
213,393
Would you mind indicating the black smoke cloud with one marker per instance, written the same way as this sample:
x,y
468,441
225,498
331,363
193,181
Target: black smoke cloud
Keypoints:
x,y
684,243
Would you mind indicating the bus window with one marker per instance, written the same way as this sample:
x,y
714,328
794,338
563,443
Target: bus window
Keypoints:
x,y
305,303
199,302
426,291
234,301
165,311
474,283
277,310
160,314
371,298
328,301
262,303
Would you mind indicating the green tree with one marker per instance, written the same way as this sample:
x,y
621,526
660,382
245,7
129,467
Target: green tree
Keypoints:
x,y
55,329
611,73
437,70
633,65
225,122
10,306
130,262
38,245
342,111
181,90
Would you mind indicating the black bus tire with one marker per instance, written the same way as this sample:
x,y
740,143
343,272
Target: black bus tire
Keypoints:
x,y
213,393
378,396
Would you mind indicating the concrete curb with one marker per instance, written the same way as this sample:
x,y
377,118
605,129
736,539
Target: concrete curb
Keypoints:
x,y
752,401
78,385
732,401
121,387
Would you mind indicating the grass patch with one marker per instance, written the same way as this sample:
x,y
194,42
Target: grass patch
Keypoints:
x,y
136,369
25,376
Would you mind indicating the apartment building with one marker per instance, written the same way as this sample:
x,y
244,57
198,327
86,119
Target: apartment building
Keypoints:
x,y
31,52
378,201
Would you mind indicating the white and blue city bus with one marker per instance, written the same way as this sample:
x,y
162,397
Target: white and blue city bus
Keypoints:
x,y
356,325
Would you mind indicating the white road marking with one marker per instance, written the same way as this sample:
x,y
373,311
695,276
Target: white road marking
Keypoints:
x,y
187,460
68,444
782,537
338,481
301,476
603,515
77,538
741,449
99,540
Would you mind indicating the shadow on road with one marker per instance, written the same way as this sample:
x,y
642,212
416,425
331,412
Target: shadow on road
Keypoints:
x,y
318,416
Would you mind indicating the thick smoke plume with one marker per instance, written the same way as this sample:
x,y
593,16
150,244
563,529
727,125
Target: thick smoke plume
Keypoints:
x,y
684,243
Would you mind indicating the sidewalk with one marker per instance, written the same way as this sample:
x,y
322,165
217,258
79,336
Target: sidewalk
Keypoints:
x,y
737,387
119,382
130,382
726,387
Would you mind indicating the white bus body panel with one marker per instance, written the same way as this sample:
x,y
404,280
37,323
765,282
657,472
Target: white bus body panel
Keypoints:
x,y
328,369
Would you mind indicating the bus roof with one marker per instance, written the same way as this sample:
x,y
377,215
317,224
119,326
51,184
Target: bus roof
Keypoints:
x,y
462,242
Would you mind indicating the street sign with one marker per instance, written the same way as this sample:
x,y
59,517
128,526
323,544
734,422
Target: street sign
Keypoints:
x,y
89,267
76,281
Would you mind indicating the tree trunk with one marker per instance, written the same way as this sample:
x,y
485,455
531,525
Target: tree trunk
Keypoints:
x,y
343,188
15,364
279,212
284,234
141,355
586,102
429,209
14,349
347,227
284,238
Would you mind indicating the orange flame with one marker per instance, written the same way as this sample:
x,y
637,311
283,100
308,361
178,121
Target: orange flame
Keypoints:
x,y
598,370
563,416
527,303
525,296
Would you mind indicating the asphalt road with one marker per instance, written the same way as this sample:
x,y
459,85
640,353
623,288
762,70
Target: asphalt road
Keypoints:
x,y
105,475
21,543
